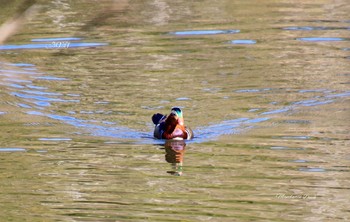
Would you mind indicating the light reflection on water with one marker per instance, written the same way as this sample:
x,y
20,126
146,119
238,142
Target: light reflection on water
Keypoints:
x,y
321,39
270,118
313,28
243,42
53,43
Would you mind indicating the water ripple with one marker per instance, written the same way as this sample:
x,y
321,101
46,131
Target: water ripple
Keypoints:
x,y
41,98
205,32
35,87
344,94
313,28
54,139
47,46
252,90
41,93
182,99
322,39
24,105
283,110
226,127
312,169
284,148
243,42
12,149
18,72
13,85
95,129
53,78
35,95
313,102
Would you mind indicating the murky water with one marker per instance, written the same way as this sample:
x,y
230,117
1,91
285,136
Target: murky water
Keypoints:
x,y
264,85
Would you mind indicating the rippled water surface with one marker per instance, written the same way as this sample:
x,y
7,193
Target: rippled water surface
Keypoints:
x,y
263,84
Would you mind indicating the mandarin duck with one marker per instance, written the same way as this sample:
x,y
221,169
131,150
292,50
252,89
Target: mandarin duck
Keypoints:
x,y
171,126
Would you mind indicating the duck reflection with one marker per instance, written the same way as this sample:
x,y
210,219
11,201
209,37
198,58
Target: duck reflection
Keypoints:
x,y
174,154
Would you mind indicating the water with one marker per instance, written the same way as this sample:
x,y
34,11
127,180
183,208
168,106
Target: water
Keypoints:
x,y
264,86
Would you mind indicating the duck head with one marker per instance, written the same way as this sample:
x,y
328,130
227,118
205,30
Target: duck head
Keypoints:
x,y
174,124
178,115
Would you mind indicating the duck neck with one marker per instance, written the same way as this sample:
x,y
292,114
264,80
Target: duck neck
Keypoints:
x,y
170,124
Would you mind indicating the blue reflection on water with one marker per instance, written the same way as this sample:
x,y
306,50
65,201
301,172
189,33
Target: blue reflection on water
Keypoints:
x,y
312,169
312,28
41,98
18,64
243,42
35,87
321,39
313,102
312,90
48,46
252,90
17,71
51,78
283,110
42,103
257,120
24,105
55,139
182,99
41,93
344,94
12,149
299,161
14,85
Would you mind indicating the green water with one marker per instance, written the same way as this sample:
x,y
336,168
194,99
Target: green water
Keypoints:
x,y
263,84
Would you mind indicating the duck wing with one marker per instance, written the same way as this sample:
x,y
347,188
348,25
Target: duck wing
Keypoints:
x,y
157,118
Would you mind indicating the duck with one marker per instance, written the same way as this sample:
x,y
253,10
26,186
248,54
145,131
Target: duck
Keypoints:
x,y
171,126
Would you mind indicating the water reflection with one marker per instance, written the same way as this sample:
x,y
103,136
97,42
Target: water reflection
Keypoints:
x,y
174,154
313,28
52,46
7,149
321,39
243,42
